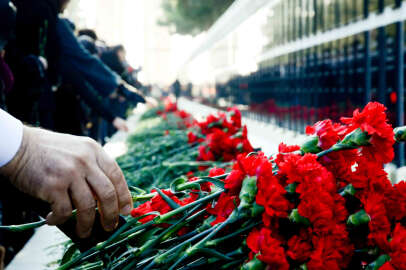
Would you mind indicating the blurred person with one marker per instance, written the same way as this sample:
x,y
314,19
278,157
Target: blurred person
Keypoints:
x,y
88,38
115,58
80,69
87,79
34,57
176,88
88,33
65,171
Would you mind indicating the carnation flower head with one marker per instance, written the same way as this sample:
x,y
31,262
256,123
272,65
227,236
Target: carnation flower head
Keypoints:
x,y
156,204
372,120
397,247
300,246
235,116
395,201
329,133
269,249
379,226
225,205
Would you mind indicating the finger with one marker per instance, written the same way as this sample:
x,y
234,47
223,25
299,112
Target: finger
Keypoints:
x,y
114,173
107,198
85,204
61,208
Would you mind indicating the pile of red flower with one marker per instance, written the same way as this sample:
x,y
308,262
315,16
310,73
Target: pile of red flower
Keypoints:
x,y
222,136
327,204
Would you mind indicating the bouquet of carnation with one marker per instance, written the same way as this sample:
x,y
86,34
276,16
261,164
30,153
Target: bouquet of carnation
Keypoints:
x,y
327,204
169,143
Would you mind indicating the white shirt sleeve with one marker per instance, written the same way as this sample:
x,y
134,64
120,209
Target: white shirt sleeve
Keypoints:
x,y
11,136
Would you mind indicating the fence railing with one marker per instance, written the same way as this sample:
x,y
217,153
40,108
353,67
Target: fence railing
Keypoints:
x,y
328,74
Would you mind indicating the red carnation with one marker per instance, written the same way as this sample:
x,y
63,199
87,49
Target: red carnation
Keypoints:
x,y
379,226
224,207
250,164
283,148
216,172
329,133
300,246
271,195
234,181
395,201
397,248
369,177
373,120
269,249
317,206
155,204
325,256
192,138
305,171
235,116
205,154
182,114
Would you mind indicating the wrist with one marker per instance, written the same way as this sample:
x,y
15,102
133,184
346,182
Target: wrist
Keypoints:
x,y
12,168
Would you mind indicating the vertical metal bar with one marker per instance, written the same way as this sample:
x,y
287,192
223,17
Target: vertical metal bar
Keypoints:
x,y
382,59
308,10
294,19
283,20
337,13
315,18
322,13
301,18
367,58
289,21
400,83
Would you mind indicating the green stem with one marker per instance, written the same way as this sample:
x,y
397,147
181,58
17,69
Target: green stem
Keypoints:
x,y
144,197
24,227
168,232
96,249
215,242
179,210
335,148
160,259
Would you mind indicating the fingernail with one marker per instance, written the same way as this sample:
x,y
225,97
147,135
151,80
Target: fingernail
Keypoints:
x,y
112,226
126,210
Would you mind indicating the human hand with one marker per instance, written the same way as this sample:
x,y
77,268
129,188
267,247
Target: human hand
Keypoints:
x,y
120,124
151,102
70,172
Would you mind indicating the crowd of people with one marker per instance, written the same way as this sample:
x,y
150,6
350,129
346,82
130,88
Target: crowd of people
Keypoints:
x,y
57,79
61,78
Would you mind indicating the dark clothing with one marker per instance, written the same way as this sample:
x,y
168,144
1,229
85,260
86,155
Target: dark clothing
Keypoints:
x,y
176,88
111,59
85,91
75,56
87,83
36,33
74,100
32,99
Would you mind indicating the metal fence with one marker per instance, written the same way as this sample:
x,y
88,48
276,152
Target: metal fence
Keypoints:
x,y
325,58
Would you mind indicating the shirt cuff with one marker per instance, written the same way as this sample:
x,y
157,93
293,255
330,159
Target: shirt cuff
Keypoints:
x,y
11,136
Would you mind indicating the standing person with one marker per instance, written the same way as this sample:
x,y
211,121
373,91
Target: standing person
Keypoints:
x,y
85,78
91,78
34,57
176,88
